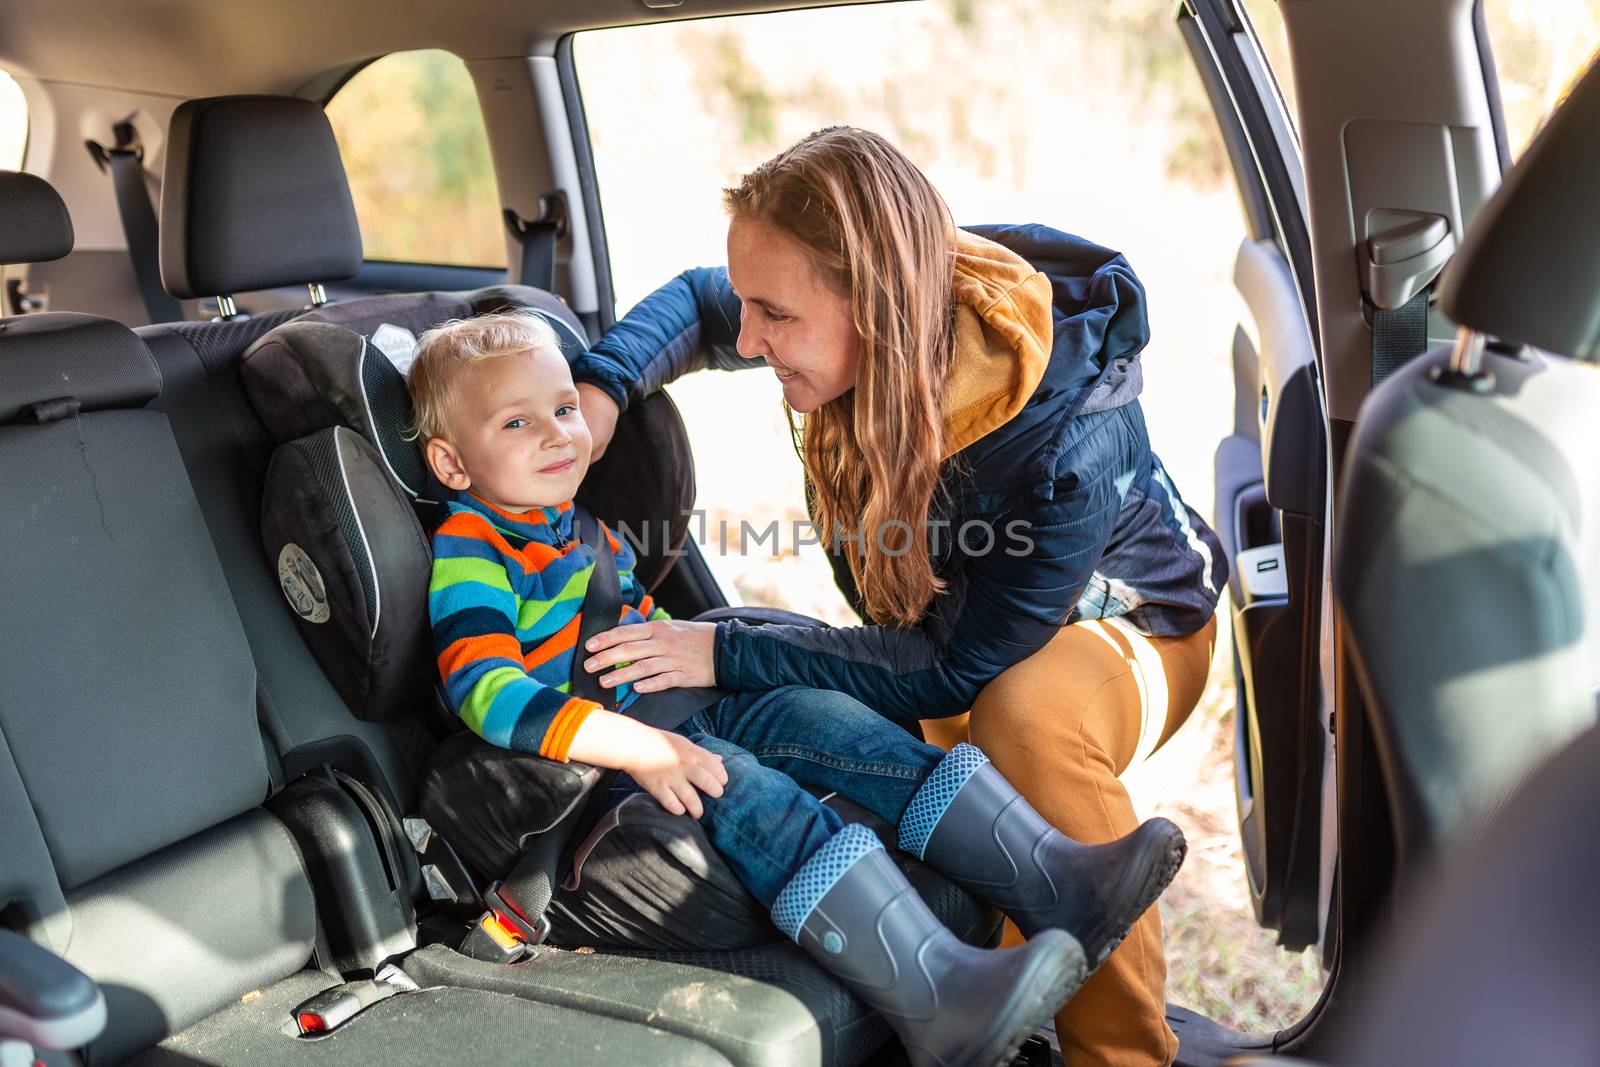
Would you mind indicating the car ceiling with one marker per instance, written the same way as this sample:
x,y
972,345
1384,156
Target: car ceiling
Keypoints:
x,y
190,48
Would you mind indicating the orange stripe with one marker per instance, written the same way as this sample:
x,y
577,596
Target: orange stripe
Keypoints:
x,y
646,606
564,727
569,730
533,516
484,646
562,640
537,555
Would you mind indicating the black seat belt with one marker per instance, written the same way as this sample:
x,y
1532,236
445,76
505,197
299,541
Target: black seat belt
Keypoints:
x,y
139,225
533,881
1399,335
538,241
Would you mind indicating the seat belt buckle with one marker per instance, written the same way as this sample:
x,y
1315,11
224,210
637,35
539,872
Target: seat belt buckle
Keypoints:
x,y
493,939
506,910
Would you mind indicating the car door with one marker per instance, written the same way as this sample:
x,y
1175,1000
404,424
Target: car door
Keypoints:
x,y
1271,486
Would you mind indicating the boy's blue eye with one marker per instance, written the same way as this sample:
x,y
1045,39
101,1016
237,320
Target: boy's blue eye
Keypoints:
x,y
516,424
565,409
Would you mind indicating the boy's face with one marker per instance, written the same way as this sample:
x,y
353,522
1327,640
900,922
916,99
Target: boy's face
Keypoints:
x,y
516,438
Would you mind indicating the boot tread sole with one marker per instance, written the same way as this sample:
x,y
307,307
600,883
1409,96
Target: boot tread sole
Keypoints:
x,y
1047,1000
1174,848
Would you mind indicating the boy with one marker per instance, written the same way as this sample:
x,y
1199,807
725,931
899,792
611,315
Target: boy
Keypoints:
x,y
497,413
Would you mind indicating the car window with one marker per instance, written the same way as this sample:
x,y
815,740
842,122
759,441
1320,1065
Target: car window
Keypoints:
x,y
1540,48
413,141
13,123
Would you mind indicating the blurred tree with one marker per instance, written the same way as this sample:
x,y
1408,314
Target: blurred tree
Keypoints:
x,y
413,141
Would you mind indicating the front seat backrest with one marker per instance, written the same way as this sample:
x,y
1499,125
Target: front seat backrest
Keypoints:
x,y
1468,556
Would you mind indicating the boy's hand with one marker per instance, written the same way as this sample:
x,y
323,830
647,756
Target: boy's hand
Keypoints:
x,y
676,771
600,412
670,768
664,654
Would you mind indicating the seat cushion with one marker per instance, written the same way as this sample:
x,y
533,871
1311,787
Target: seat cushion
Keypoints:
x,y
760,1001
426,1028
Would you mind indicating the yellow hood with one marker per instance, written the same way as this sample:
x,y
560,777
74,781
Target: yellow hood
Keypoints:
x,y
1003,337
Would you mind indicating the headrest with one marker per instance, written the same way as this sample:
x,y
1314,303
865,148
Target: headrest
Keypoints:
x,y
345,365
1529,268
308,376
34,224
254,196
57,364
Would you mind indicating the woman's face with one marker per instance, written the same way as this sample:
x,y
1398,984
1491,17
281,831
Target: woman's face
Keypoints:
x,y
790,316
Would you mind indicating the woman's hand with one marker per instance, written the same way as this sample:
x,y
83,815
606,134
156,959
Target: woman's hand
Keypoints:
x,y
665,654
600,412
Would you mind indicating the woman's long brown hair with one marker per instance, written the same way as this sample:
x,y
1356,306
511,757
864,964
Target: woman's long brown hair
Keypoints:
x,y
880,234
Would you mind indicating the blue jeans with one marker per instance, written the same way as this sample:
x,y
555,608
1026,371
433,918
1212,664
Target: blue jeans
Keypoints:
x,y
764,824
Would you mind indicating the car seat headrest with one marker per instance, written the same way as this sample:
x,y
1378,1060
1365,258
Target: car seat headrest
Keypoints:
x,y
345,365
254,196
58,364
308,376
34,224
1528,269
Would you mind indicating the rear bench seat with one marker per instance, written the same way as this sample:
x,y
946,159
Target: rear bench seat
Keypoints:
x,y
135,839
768,1005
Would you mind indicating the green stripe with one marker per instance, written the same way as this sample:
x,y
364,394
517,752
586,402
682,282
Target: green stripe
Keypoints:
x,y
453,570
530,612
476,707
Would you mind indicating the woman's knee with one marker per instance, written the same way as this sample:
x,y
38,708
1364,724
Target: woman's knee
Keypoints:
x,y
1052,691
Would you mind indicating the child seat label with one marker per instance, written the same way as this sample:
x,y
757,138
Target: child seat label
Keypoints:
x,y
398,343
302,584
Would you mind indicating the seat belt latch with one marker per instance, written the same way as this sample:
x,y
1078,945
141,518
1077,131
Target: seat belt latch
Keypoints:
x,y
332,1008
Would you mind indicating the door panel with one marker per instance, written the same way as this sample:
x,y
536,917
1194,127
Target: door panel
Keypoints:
x,y
1277,532
1271,488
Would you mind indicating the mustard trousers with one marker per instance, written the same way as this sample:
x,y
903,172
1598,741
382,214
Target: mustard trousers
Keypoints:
x,y
1061,726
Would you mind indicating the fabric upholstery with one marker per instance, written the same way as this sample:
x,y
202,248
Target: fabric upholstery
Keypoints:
x,y
1468,567
132,668
295,701
254,196
34,224
180,934
434,1026
93,360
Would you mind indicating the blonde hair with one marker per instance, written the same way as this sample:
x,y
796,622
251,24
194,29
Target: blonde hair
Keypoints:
x,y
879,234
448,349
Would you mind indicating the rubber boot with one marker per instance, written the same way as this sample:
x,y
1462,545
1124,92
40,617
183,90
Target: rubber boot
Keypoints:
x,y
952,1005
968,823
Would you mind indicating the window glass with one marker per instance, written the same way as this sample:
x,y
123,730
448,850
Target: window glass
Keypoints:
x,y
1086,117
13,123
412,137
1540,47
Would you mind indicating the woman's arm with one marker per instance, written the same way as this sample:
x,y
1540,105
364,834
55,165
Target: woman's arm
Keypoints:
x,y
689,323
1006,607
1003,608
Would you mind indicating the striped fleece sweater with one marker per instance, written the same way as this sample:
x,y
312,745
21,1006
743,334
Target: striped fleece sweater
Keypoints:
x,y
506,600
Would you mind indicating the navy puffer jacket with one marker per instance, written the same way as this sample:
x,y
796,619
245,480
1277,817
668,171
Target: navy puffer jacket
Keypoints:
x,y
1067,461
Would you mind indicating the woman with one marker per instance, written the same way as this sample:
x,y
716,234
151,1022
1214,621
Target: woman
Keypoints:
x,y
979,469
